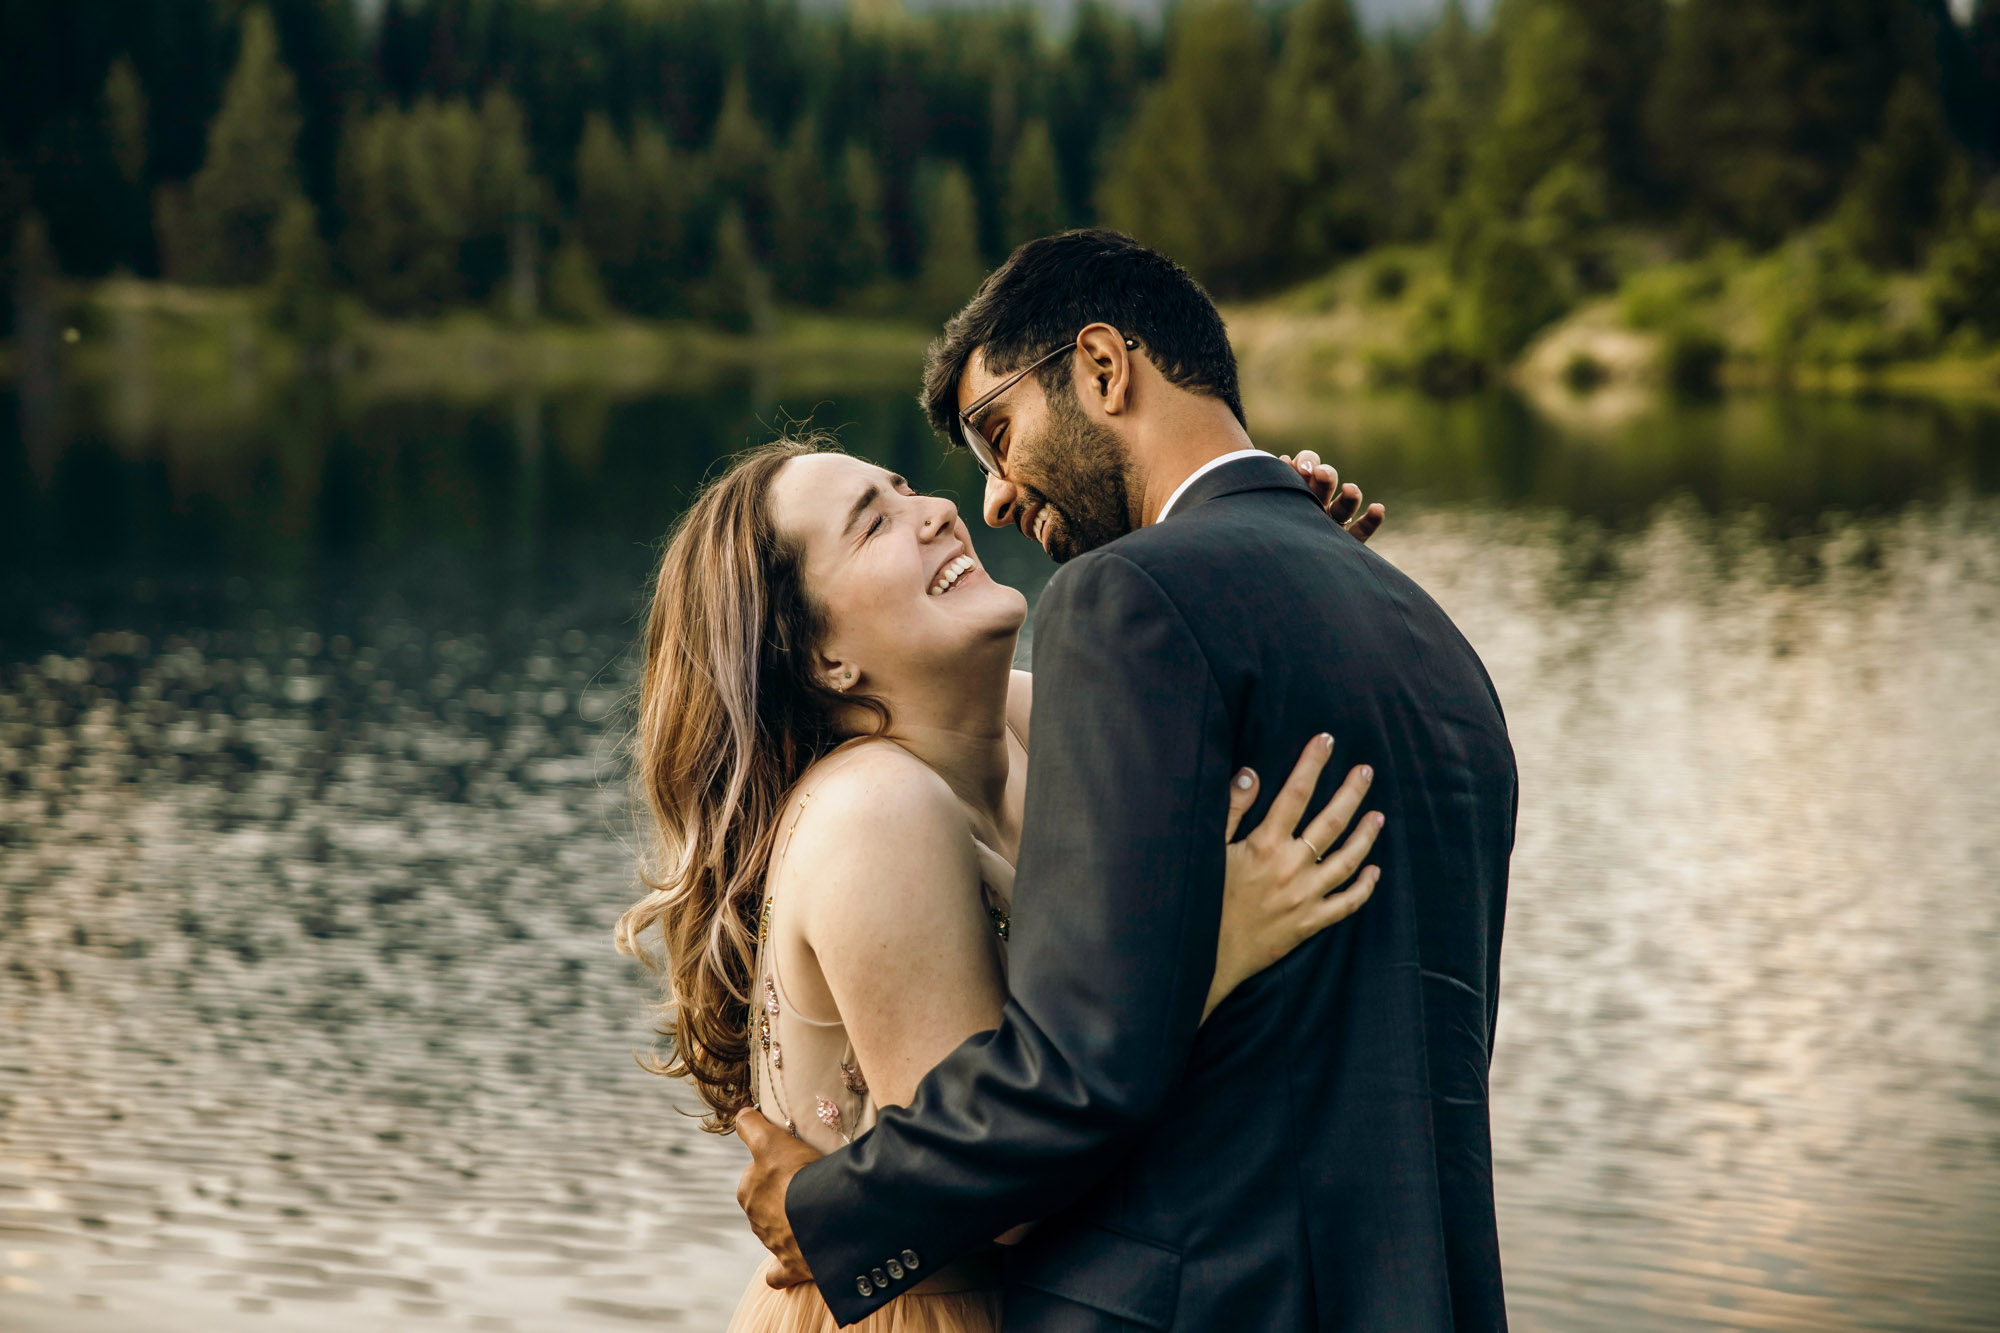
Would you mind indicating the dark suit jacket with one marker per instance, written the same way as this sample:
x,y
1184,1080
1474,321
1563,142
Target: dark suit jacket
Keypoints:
x,y
1316,1156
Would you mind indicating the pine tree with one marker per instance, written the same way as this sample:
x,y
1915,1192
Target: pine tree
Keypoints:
x,y
804,239
1762,106
301,286
248,174
1195,175
124,112
1965,284
435,198
1982,38
1097,84
952,266
576,293
1034,193
666,188
607,205
1445,117
1319,108
863,233
506,204
739,160
407,206
125,120
739,291
1542,119
1896,199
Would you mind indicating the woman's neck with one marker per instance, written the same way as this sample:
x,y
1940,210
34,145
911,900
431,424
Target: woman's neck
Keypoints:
x,y
956,722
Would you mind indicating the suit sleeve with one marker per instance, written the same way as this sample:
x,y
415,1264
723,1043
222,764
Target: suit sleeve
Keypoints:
x,y
1117,902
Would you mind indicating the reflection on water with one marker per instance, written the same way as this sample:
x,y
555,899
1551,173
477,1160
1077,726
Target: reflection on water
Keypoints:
x,y
311,840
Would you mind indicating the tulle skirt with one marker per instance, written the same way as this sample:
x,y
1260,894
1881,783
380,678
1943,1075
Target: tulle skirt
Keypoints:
x,y
964,1298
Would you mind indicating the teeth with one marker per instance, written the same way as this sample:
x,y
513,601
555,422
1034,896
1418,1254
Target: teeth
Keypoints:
x,y
951,574
1041,524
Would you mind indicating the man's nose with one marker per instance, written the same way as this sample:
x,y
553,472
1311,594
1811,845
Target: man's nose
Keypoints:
x,y
998,506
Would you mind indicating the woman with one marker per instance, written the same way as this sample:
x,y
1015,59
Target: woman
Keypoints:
x,y
834,747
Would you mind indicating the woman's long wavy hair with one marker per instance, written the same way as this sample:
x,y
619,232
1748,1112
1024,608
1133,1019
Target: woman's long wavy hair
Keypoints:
x,y
731,712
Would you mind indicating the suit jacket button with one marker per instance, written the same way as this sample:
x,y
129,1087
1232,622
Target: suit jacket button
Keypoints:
x,y
910,1260
895,1269
881,1279
862,1285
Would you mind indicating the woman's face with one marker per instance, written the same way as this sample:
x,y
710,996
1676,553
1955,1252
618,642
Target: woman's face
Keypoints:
x,y
903,591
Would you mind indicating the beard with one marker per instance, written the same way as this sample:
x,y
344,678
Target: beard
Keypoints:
x,y
1082,474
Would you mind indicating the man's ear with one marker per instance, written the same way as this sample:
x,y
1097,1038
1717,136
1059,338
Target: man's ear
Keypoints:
x,y
1107,368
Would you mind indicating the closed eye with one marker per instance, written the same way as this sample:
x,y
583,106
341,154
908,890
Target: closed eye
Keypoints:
x,y
873,528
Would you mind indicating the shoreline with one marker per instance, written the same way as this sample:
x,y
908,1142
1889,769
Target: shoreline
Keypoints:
x,y
211,353
216,343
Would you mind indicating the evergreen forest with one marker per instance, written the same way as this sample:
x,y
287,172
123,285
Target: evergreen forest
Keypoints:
x,y
720,160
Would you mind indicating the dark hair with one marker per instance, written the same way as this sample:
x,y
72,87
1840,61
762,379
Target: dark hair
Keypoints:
x,y
1050,289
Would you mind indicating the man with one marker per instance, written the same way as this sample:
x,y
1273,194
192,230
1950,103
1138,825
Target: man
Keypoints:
x,y
1316,1155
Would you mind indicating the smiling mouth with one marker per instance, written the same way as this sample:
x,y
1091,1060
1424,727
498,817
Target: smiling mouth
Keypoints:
x,y
948,577
1035,523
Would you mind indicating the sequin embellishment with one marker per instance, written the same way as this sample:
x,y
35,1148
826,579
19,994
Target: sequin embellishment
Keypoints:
x,y
1002,923
850,1078
770,998
829,1114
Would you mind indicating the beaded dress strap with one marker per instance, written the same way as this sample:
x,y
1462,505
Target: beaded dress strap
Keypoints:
x,y
776,977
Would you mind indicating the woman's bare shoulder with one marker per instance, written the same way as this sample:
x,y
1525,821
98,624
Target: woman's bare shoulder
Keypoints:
x,y
871,780
879,825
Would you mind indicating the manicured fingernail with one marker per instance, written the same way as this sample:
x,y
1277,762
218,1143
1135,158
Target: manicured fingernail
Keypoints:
x,y
1244,778
1367,773
1380,819
1325,742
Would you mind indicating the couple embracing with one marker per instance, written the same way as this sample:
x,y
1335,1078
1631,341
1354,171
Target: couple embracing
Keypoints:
x,y
1022,1028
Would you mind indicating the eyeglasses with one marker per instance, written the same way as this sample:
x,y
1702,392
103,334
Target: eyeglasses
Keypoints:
x,y
975,439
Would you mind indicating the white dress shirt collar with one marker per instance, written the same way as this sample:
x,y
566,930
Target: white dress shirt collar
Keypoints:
x,y
1202,471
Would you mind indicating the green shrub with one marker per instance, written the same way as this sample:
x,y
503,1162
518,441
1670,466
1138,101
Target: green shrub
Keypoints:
x,y
1658,298
1447,372
576,293
301,284
1692,361
1511,294
1965,278
1584,373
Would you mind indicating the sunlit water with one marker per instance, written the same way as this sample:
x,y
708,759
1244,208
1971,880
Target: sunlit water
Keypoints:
x,y
311,839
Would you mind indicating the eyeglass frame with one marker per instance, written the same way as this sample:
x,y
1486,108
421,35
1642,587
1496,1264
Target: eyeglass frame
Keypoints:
x,y
975,439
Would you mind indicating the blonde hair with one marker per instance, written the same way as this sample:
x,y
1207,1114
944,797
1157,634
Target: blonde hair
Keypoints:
x,y
731,712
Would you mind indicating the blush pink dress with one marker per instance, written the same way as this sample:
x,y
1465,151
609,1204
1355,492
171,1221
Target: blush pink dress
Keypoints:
x,y
808,1080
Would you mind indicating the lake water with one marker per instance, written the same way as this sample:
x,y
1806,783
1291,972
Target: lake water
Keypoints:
x,y
311,840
